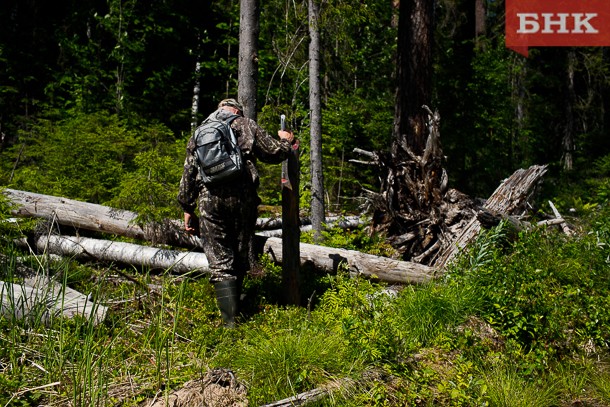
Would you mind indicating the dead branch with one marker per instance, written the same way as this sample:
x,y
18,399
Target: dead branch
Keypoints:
x,y
312,396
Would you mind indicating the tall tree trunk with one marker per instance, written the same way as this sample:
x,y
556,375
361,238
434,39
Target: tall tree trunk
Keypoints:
x,y
249,13
567,142
410,134
519,151
414,73
196,91
480,23
117,7
408,208
317,176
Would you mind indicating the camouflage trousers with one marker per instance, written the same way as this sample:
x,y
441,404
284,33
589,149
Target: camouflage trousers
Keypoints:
x,y
227,221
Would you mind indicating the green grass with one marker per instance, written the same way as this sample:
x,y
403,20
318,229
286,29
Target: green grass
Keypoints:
x,y
506,387
514,322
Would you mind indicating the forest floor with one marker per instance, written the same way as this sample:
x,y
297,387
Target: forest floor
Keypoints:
x,y
516,321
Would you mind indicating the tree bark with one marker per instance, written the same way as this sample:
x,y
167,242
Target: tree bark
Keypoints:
x,y
411,191
291,233
84,248
195,103
480,20
98,218
567,142
330,221
247,78
317,174
323,258
414,71
352,222
356,263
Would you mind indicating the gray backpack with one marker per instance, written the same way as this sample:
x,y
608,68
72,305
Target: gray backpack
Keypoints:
x,y
217,152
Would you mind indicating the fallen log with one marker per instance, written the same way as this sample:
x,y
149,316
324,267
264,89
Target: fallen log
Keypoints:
x,y
358,264
331,221
100,218
564,225
40,298
180,262
83,248
343,223
97,217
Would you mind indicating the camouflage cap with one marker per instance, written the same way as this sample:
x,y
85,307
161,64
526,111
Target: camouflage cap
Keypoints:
x,y
231,102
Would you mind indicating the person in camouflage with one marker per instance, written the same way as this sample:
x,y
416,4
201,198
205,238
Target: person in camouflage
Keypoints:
x,y
228,211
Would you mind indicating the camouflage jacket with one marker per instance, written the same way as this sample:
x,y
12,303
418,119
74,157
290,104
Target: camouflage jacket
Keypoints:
x,y
255,143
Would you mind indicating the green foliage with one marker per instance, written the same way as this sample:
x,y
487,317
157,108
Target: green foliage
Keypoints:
x,y
426,313
477,109
100,159
355,308
81,157
351,120
265,289
513,323
546,292
151,189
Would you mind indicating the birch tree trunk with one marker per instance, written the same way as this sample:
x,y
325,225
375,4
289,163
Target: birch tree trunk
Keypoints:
x,y
317,174
43,299
178,262
195,104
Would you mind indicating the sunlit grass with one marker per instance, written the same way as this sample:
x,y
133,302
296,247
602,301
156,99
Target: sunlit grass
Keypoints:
x,y
430,344
505,387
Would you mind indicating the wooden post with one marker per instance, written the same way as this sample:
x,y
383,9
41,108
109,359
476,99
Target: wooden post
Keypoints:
x,y
291,232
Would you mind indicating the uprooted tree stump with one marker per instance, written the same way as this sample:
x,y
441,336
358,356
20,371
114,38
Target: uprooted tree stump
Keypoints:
x,y
424,220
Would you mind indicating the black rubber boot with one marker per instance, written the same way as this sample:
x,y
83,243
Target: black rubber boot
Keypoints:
x,y
227,296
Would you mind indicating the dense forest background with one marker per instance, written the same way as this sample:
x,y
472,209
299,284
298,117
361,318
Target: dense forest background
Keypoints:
x,y
96,97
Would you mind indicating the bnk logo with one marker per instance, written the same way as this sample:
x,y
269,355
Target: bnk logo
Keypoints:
x,y
556,23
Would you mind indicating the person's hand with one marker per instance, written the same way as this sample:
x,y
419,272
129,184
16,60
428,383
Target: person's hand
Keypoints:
x,y
190,223
286,135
